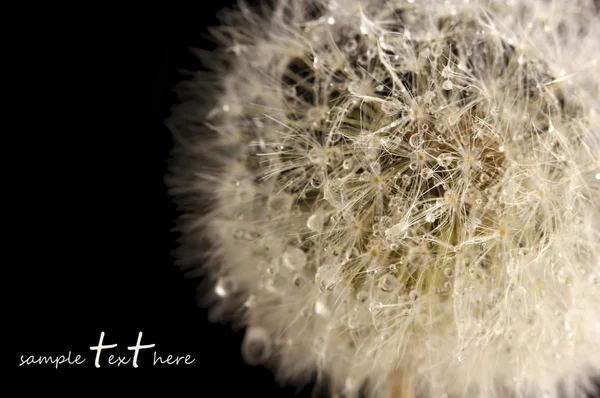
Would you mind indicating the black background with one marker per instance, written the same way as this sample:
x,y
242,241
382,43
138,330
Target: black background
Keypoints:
x,y
93,239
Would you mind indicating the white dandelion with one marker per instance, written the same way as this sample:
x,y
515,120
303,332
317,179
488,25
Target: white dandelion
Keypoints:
x,y
402,195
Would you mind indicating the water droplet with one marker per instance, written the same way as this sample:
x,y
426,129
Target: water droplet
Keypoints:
x,y
331,20
416,140
364,176
256,347
294,258
375,306
362,296
426,173
352,322
321,308
447,85
224,287
371,271
299,281
444,159
326,278
315,222
317,156
317,178
350,46
388,283
563,276
447,72
412,165
413,295
351,253
347,164
250,301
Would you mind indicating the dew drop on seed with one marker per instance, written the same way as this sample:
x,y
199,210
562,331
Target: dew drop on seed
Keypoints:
x,y
294,258
416,140
412,165
388,283
316,180
224,287
447,85
362,296
351,253
453,120
315,222
250,301
321,308
299,281
426,173
316,156
406,179
347,164
563,276
352,322
444,159
364,176
413,295
256,347
375,306
326,278
446,72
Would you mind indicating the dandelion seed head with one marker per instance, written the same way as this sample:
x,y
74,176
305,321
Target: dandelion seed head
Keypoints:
x,y
402,190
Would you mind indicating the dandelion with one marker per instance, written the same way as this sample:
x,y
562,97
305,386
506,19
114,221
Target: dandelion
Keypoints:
x,y
402,196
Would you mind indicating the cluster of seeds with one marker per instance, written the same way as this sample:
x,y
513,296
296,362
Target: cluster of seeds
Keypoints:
x,y
407,186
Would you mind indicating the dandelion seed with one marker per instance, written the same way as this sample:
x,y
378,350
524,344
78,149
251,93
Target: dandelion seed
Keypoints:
x,y
402,185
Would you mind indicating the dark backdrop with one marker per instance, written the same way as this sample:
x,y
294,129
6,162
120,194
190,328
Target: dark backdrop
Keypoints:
x,y
93,240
